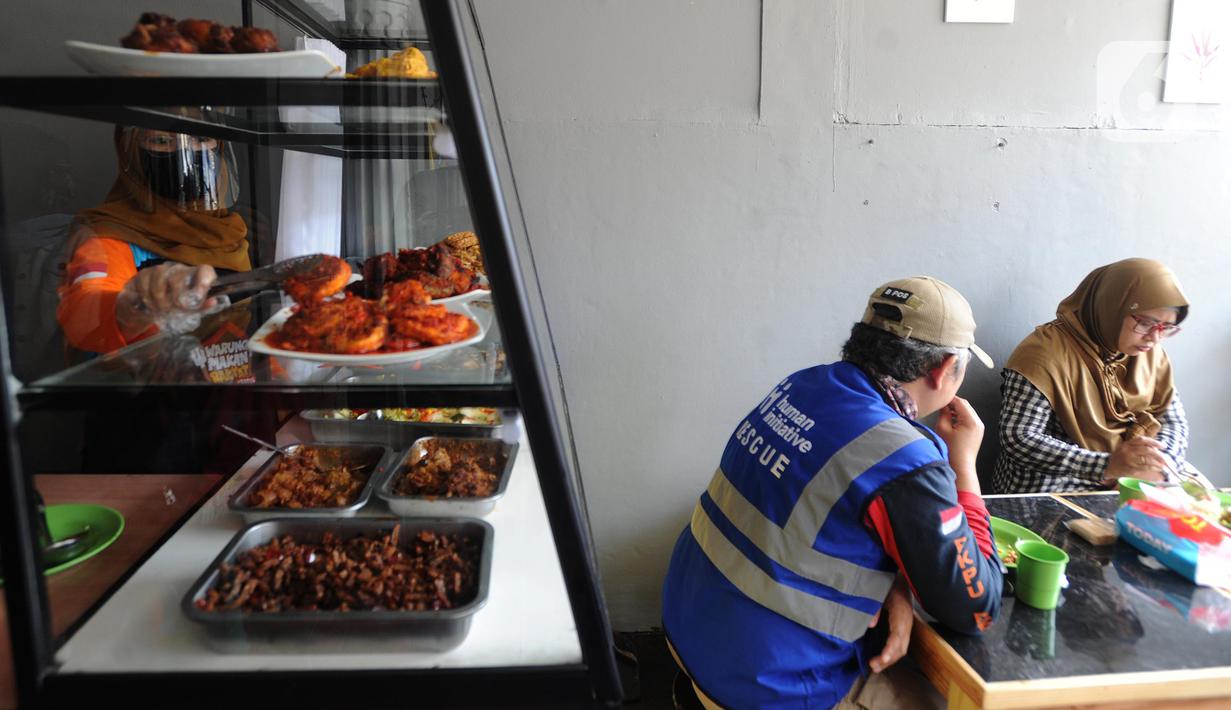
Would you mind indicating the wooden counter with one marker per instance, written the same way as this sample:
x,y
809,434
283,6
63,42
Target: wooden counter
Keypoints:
x,y
150,504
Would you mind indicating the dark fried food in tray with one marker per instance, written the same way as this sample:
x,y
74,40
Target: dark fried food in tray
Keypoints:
x,y
161,33
303,480
454,468
433,572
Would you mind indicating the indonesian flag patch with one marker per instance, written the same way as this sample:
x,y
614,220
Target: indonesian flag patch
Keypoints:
x,y
951,520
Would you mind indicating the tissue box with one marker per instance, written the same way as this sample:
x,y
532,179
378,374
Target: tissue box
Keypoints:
x,y
1188,544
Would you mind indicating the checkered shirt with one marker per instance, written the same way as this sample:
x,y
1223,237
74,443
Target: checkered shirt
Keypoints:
x,y
1036,456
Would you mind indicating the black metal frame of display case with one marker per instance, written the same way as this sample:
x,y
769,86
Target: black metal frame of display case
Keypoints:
x,y
593,681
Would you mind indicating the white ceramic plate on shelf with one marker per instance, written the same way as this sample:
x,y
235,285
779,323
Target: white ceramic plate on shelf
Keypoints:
x,y
119,61
483,291
257,343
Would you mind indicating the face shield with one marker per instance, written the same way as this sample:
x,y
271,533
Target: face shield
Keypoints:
x,y
186,173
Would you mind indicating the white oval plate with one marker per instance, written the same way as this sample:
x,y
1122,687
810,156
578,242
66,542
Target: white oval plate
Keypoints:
x,y
482,292
119,61
257,344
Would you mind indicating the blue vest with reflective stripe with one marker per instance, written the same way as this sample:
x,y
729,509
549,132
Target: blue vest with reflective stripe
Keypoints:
x,y
771,587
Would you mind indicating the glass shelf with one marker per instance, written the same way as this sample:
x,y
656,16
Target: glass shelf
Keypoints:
x,y
214,358
384,25
387,118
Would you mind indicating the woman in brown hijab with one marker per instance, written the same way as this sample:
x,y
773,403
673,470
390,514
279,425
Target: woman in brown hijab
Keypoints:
x,y
1089,397
153,247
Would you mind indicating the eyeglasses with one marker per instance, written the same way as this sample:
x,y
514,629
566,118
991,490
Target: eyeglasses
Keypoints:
x,y
1145,326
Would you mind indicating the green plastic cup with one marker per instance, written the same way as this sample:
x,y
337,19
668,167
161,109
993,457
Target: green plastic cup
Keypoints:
x,y
1040,573
1130,489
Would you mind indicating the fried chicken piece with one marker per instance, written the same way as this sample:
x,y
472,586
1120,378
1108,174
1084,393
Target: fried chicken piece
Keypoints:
x,y
219,41
323,280
139,38
151,38
248,40
429,325
441,274
347,326
195,30
156,20
406,292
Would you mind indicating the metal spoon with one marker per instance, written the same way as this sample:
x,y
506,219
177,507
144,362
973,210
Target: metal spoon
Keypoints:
x,y
253,439
57,551
62,551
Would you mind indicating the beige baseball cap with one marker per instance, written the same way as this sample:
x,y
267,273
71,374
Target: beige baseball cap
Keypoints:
x,y
925,309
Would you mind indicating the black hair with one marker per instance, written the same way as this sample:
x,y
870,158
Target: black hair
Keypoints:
x,y
882,353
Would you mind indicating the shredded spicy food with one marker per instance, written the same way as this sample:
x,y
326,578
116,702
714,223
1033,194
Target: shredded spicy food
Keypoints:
x,y
304,481
454,468
431,572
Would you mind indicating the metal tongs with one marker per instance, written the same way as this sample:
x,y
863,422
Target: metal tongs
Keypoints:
x,y
266,277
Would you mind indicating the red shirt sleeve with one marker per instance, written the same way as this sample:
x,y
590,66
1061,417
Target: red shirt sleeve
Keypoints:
x,y
978,519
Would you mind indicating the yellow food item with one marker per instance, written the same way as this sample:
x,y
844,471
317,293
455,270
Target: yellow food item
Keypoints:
x,y
465,246
406,64
1007,555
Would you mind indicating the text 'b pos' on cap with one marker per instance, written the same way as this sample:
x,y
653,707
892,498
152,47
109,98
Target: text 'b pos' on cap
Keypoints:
x,y
925,309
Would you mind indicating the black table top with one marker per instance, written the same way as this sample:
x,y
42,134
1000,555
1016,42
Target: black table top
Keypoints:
x,y
1118,615
1103,505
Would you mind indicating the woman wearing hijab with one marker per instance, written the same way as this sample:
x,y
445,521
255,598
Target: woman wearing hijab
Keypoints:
x,y
1089,397
148,255
153,248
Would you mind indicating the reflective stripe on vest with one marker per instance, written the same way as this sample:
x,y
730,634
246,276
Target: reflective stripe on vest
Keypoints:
x,y
792,546
810,611
794,552
828,485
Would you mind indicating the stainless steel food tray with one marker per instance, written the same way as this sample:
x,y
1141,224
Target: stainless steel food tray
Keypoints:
x,y
376,456
425,505
339,631
400,435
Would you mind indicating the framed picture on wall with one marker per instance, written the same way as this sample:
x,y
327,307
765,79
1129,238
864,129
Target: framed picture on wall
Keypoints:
x,y
1199,53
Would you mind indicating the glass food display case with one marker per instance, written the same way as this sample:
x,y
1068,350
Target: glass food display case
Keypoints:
x,y
419,535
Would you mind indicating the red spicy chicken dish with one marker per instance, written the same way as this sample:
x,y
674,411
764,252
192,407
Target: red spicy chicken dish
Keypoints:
x,y
441,272
401,317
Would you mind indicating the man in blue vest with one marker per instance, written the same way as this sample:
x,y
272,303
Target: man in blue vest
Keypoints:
x,y
832,502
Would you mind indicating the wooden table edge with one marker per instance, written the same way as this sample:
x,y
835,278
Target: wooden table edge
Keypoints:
x,y
948,672
1139,687
963,687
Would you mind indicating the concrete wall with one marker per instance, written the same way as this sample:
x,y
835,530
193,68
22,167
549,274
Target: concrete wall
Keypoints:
x,y
713,188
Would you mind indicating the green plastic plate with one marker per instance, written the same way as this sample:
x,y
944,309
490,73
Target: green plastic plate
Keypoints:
x,y
1007,534
65,519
